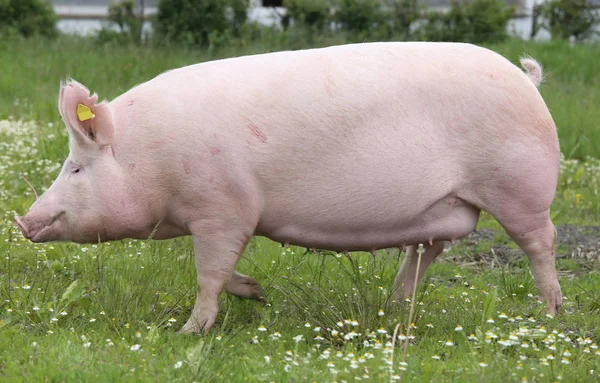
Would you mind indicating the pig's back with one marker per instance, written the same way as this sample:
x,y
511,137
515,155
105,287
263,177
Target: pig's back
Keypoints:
x,y
408,97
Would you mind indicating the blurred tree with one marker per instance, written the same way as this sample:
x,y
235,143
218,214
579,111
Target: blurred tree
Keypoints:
x,y
566,18
199,22
312,13
404,14
123,14
359,16
28,18
474,21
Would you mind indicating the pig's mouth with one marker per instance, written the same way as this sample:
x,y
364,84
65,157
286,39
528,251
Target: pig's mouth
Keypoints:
x,y
38,232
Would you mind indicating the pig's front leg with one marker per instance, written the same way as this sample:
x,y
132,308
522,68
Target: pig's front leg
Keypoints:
x,y
217,252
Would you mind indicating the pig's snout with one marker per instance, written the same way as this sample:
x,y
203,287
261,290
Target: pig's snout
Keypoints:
x,y
38,229
23,227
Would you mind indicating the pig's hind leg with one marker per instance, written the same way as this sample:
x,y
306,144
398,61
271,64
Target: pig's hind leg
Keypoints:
x,y
405,279
521,201
243,286
537,240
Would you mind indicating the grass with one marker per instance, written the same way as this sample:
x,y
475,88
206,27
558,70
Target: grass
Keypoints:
x,y
109,312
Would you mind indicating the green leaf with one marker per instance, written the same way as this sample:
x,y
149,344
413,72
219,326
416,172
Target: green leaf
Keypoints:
x,y
488,305
195,354
153,335
73,293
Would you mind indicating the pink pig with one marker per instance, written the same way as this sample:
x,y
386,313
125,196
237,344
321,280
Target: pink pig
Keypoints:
x,y
348,148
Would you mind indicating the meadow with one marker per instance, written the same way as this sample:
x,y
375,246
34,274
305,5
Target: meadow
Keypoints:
x,y
110,312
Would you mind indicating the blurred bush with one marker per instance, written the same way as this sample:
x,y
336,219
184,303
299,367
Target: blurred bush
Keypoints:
x,y
313,14
309,23
474,21
359,17
123,13
566,18
199,22
128,20
27,18
404,13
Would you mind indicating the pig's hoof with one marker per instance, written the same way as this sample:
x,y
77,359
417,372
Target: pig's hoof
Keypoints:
x,y
190,329
259,294
554,307
245,287
194,330
254,290
185,330
554,301
193,326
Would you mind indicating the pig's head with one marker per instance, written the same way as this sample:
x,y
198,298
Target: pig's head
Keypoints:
x,y
86,201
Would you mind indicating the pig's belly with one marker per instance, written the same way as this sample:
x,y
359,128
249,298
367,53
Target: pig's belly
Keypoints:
x,y
356,229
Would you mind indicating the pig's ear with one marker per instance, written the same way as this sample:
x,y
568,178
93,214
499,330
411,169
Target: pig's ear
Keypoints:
x,y
88,123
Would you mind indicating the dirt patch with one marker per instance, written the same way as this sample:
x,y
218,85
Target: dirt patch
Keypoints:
x,y
580,243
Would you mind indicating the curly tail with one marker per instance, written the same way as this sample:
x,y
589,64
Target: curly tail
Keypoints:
x,y
533,69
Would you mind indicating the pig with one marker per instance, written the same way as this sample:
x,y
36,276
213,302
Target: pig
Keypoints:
x,y
355,147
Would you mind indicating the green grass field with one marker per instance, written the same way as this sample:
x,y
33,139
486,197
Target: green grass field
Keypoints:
x,y
109,312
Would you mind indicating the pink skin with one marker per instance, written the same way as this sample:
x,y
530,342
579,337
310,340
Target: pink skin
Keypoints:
x,y
354,147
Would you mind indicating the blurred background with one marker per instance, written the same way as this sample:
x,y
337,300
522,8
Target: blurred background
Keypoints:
x,y
303,22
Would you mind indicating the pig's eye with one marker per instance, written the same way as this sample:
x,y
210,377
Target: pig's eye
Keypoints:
x,y
76,171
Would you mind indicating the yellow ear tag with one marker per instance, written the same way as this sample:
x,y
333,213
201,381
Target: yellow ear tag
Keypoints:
x,y
84,113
